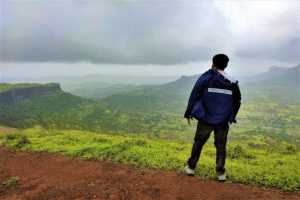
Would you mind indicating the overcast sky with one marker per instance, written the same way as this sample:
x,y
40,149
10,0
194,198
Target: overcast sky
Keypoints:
x,y
148,38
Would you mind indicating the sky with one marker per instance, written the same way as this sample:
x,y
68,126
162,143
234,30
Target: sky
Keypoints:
x,y
146,38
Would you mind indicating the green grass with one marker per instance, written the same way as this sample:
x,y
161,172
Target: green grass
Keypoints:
x,y
277,167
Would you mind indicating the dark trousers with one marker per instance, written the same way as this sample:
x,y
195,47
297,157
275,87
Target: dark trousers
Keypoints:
x,y
202,135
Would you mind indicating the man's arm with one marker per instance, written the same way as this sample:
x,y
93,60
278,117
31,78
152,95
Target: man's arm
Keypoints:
x,y
236,100
194,97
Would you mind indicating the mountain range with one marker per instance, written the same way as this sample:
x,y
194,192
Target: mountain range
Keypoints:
x,y
273,72
99,86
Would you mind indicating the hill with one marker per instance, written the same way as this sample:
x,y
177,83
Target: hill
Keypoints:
x,y
10,93
281,89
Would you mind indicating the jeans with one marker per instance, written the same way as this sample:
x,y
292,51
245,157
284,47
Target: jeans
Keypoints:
x,y
202,135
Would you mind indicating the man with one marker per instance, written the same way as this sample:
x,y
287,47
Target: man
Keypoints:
x,y
214,102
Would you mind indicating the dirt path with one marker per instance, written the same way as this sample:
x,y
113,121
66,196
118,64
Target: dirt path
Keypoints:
x,y
51,176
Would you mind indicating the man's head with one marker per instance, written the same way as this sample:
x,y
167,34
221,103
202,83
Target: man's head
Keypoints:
x,y
220,62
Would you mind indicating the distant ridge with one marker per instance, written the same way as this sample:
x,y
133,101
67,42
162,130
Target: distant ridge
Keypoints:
x,y
112,79
273,72
66,81
289,79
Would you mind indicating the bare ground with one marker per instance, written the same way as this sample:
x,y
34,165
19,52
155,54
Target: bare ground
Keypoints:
x,y
52,176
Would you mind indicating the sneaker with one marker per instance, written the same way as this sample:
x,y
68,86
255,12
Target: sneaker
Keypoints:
x,y
189,171
222,177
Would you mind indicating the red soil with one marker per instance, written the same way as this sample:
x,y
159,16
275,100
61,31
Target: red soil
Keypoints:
x,y
52,176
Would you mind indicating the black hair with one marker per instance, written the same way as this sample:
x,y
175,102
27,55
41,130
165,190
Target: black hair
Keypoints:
x,y
220,61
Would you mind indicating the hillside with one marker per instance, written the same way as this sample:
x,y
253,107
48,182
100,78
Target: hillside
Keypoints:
x,y
11,93
282,89
284,80
159,108
290,79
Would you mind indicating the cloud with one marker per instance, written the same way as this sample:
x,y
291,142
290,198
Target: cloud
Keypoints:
x,y
146,32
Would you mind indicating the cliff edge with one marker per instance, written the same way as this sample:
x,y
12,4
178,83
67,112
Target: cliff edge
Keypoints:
x,y
10,93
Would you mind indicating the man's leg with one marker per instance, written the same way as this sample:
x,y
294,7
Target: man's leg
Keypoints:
x,y
220,143
202,134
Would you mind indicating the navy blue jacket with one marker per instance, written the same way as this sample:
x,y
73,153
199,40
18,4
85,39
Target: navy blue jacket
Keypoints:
x,y
215,98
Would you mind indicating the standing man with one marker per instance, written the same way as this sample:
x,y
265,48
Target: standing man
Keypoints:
x,y
214,102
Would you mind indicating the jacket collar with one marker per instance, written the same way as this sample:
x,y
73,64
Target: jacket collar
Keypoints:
x,y
226,76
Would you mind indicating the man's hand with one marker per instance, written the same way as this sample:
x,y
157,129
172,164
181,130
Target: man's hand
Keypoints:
x,y
188,119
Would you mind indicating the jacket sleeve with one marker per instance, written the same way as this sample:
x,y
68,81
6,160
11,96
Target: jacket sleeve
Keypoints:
x,y
236,100
195,96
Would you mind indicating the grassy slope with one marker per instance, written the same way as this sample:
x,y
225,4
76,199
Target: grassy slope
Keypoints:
x,y
269,167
